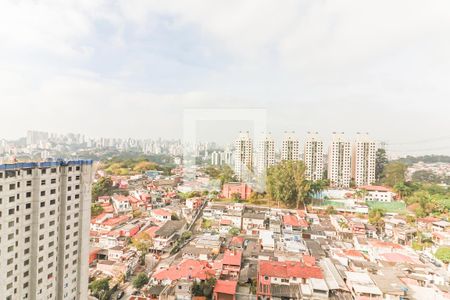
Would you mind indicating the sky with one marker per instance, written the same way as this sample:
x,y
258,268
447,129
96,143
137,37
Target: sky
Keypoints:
x,y
132,68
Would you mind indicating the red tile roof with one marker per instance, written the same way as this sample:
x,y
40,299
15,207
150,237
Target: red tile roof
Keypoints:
x,y
228,287
189,268
116,221
237,241
232,258
290,220
161,212
288,269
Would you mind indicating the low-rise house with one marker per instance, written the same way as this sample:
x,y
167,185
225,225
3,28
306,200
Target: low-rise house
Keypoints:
x,y
441,226
121,204
378,193
192,252
266,240
284,279
361,285
194,203
165,236
231,264
441,238
208,241
252,222
187,269
161,215
234,216
225,226
225,290
116,253
240,188
293,223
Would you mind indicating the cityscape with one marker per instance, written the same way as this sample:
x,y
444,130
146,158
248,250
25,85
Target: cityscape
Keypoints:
x,y
224,150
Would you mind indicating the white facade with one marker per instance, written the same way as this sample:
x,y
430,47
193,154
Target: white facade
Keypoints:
x,y
45,217
290,147
266,154
243,156
339,162
313,157
363,161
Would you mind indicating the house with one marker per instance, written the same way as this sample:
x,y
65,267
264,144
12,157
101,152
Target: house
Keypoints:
x,y
225,290
225,226
441,226
293,223
441,238
266,240
240,188
192,252
362,286
234,216
165,236
252,222
116,253
187,269
121,204
194,203
377,193
161,215
284,279
231,264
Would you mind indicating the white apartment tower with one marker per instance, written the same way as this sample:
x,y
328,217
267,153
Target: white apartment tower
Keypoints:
x,y
339,161
243,156
363,161
44,219
266,154
290,147
313,157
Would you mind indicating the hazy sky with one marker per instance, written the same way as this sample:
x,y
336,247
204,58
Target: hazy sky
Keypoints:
x,y
130,68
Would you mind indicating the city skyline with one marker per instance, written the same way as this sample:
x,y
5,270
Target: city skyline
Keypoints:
x,y
136,66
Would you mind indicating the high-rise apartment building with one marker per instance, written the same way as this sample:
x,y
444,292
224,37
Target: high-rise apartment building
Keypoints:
x,y
363,160
243,156
265,154
313,157
44,219
290,147
339,161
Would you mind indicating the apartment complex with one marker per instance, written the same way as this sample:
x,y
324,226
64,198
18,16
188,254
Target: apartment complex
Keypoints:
x,y
339,161
290,147
313,157
266,154
44,233
363,160
243,155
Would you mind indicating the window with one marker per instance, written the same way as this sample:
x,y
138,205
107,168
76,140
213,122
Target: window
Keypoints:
x,y
53,201
43,182
53,170
27,217
29,171
12,186
11,199
1,188
42,204
43,171
42,193
53,180
27,228
28,194
11,211
29,183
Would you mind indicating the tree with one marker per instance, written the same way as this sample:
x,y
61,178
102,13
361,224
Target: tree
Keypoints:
x,y
380,163
174,217
286,182
376,218
140,280
137,213
100,288
226,175
443,254
104,186
142,242
394,173
425,176
234,231
330,210
206,224
96,209
236,197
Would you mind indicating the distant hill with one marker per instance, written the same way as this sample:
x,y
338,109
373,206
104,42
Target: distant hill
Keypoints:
x,y
409,160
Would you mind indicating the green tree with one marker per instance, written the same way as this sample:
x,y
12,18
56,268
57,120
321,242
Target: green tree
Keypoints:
x,y
140,280
394,173
286,182
100,288
376,218
96,209
226,175
174,217
236,197
425,176
443,254
380,163
103,187
234,231
206,224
